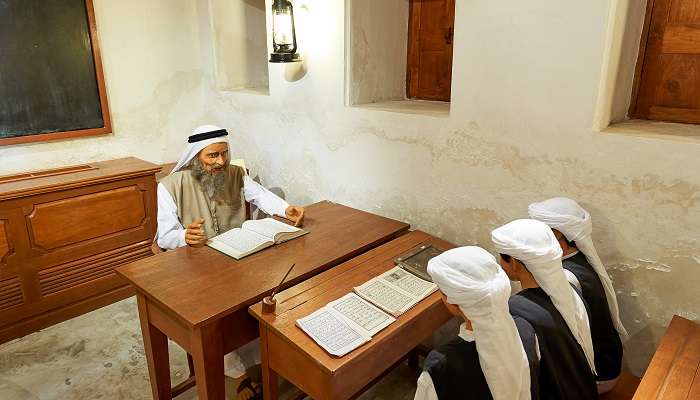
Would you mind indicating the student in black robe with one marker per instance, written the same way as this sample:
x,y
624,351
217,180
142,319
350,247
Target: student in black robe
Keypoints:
x,y
531,255
494,357
572,227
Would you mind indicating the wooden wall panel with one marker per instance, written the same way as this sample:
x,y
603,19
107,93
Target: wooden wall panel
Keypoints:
x,y
5,248
79,219
70,275
10,293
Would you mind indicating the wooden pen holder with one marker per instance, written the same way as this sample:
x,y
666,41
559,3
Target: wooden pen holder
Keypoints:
x,y
269,305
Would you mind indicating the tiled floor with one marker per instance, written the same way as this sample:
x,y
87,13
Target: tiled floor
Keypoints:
x,y
100,356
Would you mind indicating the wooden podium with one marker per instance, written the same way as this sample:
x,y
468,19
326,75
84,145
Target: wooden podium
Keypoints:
x,y
62,233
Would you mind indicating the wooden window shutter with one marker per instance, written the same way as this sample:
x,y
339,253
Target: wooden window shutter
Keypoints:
x,y
431,32
667,80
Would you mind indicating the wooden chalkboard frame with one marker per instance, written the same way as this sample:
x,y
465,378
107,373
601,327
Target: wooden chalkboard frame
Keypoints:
x,y
104,105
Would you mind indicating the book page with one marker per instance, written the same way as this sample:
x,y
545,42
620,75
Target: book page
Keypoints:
x,y
362,313
408,282
386,297
241,240
269,227
331,332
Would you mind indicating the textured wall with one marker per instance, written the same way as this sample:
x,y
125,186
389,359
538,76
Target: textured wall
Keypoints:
x,y
153,73
378,38
525,85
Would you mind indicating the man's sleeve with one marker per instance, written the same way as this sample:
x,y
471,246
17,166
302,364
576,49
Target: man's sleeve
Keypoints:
x,y
425,389
171,233
264,199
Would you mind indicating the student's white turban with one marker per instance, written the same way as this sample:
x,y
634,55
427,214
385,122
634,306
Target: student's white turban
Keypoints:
x,y
534,244
569,218
195,146
471,279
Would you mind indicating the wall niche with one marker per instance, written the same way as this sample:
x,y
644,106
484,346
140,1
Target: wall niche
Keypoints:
x,y
239,30
376,58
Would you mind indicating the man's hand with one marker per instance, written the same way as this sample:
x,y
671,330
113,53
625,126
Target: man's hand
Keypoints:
x,y
194,235
295,214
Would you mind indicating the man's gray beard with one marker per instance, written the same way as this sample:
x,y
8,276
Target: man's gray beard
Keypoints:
x,y
212,183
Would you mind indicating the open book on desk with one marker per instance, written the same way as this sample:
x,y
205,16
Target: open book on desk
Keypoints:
x,y
253,236
344,324
395,291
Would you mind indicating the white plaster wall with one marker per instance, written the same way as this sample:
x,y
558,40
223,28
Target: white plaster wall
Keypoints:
x,y
525,86
153,73
378,50
240,42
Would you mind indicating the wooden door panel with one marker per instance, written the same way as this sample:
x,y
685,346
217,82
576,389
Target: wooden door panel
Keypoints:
x,y
684,11
681,39
668,79
430,49
680,78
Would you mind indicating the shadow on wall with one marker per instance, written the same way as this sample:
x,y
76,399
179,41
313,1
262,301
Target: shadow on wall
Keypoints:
x,y
644,333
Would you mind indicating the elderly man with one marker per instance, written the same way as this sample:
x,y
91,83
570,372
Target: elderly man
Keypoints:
x,y
205,196
572,227
531,255
494,357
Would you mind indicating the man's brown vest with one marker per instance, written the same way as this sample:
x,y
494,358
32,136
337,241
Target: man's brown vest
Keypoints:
x,y
192,202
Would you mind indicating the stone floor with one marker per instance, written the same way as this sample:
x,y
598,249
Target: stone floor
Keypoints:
x,y
100,355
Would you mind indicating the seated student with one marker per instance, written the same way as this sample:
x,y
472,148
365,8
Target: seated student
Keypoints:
x,y
493,356
572,227
531,255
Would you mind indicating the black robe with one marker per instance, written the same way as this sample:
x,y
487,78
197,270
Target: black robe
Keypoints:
x,y
564,371
607,345
456,372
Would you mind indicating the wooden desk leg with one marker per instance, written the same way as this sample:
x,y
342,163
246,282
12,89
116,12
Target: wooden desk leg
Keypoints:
x,y
208,357
269,376
156,347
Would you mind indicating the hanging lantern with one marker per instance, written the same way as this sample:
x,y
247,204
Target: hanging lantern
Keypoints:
x,y
284,40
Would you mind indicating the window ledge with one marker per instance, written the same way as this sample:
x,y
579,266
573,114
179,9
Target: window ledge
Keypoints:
x,y
259,91
417,107
656,130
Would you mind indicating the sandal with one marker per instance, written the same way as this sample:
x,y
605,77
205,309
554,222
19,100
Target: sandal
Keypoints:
x,y
246,383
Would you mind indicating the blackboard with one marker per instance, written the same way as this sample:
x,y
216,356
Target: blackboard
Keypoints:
x,y
51,81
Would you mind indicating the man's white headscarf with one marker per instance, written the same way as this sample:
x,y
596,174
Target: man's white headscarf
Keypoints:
x,y
569,218
194,148
471,279
534,244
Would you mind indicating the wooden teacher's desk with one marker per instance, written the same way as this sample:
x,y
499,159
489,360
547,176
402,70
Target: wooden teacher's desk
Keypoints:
x,y
289,352
199,297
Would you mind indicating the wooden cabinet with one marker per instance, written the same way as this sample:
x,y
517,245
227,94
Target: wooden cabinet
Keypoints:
x,y
62,233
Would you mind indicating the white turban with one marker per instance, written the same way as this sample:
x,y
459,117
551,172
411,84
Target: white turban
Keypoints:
x,y
566,216
471,279
534,244
194,148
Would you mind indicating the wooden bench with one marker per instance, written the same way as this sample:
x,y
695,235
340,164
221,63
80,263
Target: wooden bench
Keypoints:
x,y
674,370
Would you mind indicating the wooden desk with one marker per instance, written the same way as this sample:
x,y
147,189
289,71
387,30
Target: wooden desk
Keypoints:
x,y
199,297
674,372
289,352
62,233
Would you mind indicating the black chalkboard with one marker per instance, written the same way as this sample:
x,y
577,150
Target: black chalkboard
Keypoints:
x,y
48,78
